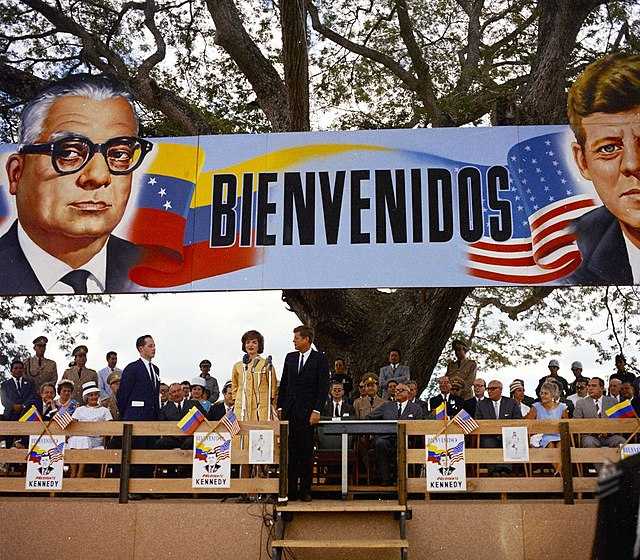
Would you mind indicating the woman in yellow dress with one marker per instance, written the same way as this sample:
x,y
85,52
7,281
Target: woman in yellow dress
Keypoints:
x,y
254,399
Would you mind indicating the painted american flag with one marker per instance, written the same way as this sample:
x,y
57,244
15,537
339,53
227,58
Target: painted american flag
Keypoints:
x,y
457,453
222,451
546,198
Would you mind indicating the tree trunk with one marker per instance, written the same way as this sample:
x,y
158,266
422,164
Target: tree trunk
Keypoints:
x,y
361,325
545,99
296,62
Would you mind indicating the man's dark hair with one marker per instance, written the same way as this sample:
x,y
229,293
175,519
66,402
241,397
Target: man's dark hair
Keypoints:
x,y
226,388
186,383
253,335
111,353
205,363
599,380
620,358
395,350
140,341
339,359
16,361
609,85
305,332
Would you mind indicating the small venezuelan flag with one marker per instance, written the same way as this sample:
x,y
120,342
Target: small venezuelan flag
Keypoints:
x,y
623,409
191,420
30,416
441,411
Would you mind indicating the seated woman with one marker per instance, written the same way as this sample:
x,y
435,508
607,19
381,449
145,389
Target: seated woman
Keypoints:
x,y
65,390
517,394
549,408
92,411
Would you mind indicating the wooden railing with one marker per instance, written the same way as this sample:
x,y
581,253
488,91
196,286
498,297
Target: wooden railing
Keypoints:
x,y
574,459
124,457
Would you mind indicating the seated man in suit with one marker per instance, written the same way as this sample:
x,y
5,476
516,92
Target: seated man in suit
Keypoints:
x,y
400,409
338,407
15,393
45,401
454,404
479,388
71,179
173,411
496,407
220,409
594,406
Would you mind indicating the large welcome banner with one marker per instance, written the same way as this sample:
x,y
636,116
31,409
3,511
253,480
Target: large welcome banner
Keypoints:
x,y
392,208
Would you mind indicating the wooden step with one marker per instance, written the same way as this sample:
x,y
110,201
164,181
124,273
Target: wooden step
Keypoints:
x,y
325,506
352,543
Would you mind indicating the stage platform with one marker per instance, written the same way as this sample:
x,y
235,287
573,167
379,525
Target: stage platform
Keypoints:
x,y
100,528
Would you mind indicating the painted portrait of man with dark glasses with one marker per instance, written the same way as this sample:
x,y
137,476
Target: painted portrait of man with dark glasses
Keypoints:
x,y
71,177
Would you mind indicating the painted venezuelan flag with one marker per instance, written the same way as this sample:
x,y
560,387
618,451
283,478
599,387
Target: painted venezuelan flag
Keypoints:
x,y
173,217
30,416
623,409
441,411
191,420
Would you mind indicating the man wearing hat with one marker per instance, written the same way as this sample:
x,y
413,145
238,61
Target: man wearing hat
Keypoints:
x,y
576,369
79,373
367,404
554,366
210,381
462,367
113,382
39,369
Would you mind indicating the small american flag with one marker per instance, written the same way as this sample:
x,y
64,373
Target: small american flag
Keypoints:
x,y
457,453
464,420
546,196
63,417
230,421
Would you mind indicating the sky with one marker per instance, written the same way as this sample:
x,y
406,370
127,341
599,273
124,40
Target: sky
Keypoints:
x,y
189,327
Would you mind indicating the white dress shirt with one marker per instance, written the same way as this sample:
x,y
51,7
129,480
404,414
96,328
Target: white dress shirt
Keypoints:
x,y
48,269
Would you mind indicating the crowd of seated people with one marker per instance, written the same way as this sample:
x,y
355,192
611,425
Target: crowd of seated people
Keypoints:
x,y
252,391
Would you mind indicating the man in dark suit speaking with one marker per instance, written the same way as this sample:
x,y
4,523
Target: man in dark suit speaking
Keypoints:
x,y
302,394
604,113
71,178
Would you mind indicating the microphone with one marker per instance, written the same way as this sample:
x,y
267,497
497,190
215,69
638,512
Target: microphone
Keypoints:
x,y
269,361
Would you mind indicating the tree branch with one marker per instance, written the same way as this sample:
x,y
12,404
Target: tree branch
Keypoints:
x,y
263,77
376,56
534,298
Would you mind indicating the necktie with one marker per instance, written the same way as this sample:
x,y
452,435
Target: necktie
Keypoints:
x,y
371,401
301,362
151,376
179,405
77,279
336,412
399,410
598,414
496,406
19,386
